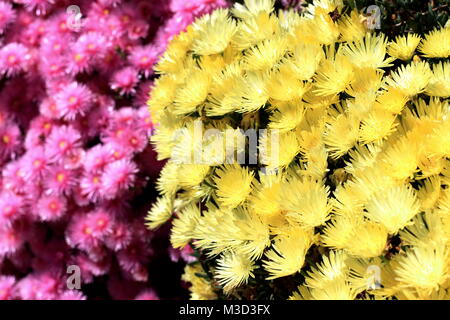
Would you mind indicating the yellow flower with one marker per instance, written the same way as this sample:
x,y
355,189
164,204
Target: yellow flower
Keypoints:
x,y
394,208
226,180
411,79
213,33
368,52
424,268
160,212
404,46
436,44
233,270
306,201
439,85
287,255
334,75
184,226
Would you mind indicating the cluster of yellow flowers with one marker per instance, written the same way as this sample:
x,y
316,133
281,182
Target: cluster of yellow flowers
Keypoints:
x,y
360,175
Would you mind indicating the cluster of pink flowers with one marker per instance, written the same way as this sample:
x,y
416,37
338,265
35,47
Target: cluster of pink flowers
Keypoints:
x,y
75,164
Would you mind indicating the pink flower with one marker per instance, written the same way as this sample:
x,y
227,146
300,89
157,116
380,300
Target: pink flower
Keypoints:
x,y
143,59
7,15
61,142
11,208
14,58
119,237
39,7
73,100
49,108
93,44
101,223
118,177
12,239
125,80
35,163
7,287
80,233
91,186
14,177
51,208
133,260
40,286
91,268
59,181
97,158
9,140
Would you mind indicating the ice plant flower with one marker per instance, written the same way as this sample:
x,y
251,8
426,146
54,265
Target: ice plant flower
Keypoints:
x,y
306,148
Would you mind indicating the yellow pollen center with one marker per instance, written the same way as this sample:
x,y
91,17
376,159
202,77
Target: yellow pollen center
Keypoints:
x,y
60,177
73,99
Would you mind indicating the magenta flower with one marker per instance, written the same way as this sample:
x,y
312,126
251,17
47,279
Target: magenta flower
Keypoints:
x,y
61,142
14,58
51,207
7,16
125,80
118,177
75,99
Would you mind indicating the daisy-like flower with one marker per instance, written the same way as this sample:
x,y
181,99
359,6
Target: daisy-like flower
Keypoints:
x,y
411,79
118,177
12,239
287,255
79,233
14,58
35,163
11,207
51,208
97,158
436,44
91,186
9,140
49,108
404,46
75,99
7,15
125,81
14,176
93,44
233,270
119,237
226,178
424,267
59,181
394,208
62,141
439,85
215,32
143,59
370,52
101,223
